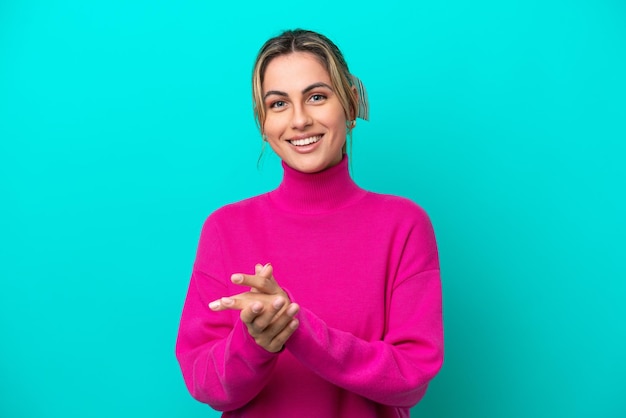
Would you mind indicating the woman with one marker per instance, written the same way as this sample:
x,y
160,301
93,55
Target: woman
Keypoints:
x,y
318,299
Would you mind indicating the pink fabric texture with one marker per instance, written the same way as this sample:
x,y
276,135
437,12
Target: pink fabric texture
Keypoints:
x,y
365,270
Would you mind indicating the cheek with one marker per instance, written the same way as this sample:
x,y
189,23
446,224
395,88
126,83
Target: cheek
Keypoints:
x,y
337,120
273,126
339,125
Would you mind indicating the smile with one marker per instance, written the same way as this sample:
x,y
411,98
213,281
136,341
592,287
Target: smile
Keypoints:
x,y
305,141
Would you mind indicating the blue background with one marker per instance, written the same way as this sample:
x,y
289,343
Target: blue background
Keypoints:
x,y
124,124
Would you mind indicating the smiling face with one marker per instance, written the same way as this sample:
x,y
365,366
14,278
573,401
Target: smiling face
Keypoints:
x,y
305,123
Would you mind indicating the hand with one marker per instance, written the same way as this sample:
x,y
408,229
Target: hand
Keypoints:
x,y
266,309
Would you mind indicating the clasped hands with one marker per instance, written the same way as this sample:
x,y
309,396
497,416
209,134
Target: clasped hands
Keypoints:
x,y
266,309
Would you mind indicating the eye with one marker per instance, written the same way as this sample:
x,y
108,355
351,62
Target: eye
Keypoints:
x,y
316,98
278,104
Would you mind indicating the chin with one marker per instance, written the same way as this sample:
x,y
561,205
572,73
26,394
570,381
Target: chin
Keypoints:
x,y
312,165
307,168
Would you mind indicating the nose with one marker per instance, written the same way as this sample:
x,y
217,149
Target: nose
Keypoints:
x,y
300,118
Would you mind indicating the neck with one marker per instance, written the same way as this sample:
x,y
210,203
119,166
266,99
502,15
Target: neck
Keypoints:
x,y
321,192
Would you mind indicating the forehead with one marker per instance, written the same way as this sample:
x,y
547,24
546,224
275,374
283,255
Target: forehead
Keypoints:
x,y
294,71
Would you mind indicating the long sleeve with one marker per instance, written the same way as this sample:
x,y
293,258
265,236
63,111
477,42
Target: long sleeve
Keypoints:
x,y
221,364
394,371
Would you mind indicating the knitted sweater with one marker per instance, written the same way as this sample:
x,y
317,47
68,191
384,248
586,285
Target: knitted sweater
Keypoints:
x,y
364,269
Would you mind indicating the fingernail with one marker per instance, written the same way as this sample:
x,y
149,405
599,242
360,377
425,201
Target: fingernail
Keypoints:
x,y
256,308
265,267
214,305
293,309
294,324
236,278
279,303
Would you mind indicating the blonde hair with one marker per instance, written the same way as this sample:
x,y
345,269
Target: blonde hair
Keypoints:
x,y
299,40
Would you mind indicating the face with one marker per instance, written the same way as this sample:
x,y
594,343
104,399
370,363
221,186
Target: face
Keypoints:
x,y
305,123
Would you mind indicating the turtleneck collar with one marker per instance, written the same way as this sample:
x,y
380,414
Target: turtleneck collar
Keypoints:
x,y
313,193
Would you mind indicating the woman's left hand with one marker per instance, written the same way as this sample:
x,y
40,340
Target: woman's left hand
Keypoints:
x,y
266,309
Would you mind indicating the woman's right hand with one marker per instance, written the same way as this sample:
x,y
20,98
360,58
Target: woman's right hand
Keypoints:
x,y
265,309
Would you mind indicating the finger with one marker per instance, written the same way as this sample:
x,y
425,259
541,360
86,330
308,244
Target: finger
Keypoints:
x,y
250,314
258,320
283,318
280,321
257,270
237,278
282,335
237,302
275,335
266,271
259,316
263,281
279,341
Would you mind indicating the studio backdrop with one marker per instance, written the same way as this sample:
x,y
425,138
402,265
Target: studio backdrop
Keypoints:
x,y
124,124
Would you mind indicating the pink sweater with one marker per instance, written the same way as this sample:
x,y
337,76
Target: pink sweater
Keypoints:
x,y
365,271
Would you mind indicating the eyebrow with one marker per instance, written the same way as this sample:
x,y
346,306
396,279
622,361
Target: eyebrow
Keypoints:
x,y
306,90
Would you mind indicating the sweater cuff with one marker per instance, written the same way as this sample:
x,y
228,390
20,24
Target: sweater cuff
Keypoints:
x,y
305,338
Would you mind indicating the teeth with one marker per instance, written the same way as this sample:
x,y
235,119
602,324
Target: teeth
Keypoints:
x,y
306,141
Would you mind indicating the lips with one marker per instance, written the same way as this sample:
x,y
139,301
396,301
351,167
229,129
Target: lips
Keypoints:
x,y
300,142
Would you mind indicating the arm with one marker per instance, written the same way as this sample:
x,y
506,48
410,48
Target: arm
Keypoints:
x,y
394,371
221,363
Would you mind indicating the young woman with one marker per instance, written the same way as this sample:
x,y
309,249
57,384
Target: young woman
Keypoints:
x,y
317,299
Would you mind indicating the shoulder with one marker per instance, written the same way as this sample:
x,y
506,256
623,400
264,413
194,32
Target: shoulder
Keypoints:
x,y
235,213
406,228
400,216
396,207
240,208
